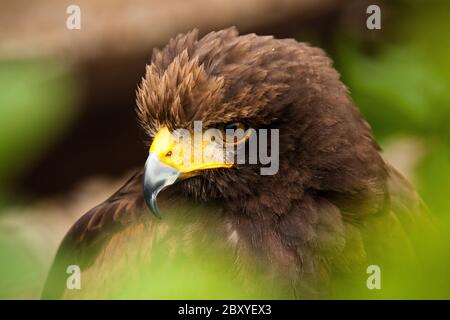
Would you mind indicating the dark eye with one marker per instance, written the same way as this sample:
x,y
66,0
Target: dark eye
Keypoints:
x,y
234,132
233,126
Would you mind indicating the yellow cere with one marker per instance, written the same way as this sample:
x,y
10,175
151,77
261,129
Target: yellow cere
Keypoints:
x,y
179,154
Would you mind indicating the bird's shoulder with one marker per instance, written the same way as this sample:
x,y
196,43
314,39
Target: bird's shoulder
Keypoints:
x,y
121,234
88,236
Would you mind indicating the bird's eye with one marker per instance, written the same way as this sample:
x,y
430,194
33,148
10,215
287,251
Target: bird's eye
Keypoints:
x,y
232,126
234,132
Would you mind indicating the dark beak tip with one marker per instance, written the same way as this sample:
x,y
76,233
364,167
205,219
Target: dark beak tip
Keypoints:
x,y
153,206
150,197
157,176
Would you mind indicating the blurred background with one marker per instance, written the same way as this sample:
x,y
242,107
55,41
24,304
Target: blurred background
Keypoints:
x,y
68,135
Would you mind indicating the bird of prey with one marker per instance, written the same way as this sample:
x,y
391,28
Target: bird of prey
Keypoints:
x,y
334,206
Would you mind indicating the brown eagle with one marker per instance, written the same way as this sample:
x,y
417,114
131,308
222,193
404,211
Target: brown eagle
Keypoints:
x,y
334,206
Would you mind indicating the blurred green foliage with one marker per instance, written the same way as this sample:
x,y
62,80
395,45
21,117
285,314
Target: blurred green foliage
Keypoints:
x,y
37,100
36,106
21,270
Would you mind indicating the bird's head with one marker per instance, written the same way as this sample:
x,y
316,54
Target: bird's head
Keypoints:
x,y
202,100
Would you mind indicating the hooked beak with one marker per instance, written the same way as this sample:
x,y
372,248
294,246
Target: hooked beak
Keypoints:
x,y
170,160
157,176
